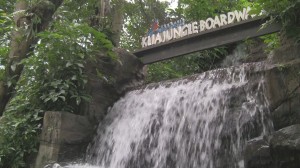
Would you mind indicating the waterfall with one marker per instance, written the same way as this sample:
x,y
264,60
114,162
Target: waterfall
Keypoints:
x,y
201,121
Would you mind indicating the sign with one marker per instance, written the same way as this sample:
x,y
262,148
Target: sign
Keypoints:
x,y
179,29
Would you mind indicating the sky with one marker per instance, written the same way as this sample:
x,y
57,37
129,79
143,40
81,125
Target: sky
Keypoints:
x,y
173,3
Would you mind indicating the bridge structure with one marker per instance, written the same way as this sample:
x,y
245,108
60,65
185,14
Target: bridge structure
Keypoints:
x,y
207,39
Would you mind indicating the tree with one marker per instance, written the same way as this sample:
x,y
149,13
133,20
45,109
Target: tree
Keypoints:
x,y
108,17
139,15
29,22
46,45
46,69
285,11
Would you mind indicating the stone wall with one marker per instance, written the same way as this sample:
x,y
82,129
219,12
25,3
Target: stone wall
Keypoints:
x,y
64,137
280,149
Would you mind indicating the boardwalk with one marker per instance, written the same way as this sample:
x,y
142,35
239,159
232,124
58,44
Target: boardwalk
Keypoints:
x,y
206,40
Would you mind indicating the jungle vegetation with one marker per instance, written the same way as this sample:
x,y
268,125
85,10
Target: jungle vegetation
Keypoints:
x,y
44,45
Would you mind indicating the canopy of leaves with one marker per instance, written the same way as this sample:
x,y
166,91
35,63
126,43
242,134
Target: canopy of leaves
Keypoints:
x,y
139,16
53,77
201,9
285,11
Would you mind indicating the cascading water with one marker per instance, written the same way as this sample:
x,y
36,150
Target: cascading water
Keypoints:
x,y
202,121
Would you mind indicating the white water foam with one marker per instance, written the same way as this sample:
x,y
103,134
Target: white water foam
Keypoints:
x,y
191,123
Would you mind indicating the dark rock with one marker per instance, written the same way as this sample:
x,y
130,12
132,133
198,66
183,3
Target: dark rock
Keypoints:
x,y
279,150
257,154
116,77
288,113
53,165
282,82
288,51
285,147
256,51
64,138
282,90
129,72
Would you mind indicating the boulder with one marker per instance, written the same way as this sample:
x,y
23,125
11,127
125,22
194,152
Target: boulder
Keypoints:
x,y
288,51
282,82
108,79
285,147
281,149
64,137
288,113
257,154
256,51
282,90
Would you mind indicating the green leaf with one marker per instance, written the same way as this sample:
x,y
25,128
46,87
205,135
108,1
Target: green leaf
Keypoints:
x,y
63,98
78,100
69,64
80,65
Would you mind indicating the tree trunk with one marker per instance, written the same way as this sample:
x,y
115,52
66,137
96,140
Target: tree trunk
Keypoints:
x,y
109,15
23,40
104,12
117,21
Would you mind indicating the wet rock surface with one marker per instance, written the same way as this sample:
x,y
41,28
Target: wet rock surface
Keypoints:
x,y
287,113
117,77
285,147
279,150
64,137
257,153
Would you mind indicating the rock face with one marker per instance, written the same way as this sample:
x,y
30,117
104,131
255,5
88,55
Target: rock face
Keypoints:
x,y
287,113
117,76
280,149
285,147
64,138
257,153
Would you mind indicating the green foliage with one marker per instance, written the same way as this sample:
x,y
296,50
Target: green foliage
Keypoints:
x,y
18,136
20,127
76,11
192,10
5,29
201,9
162,71
5,26
281,67
285,11
272,41
7,6
274,7
59,60
178,67
138,18
53,78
